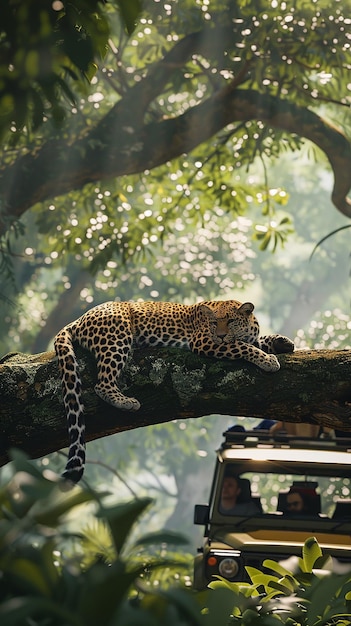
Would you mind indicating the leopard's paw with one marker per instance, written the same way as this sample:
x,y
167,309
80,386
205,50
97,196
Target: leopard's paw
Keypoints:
x,y
116,398
270,364
282,344
129,404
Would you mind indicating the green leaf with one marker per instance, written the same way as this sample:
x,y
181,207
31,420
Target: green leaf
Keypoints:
x,y
104,589
49,511
275,567
18,611
22,464
122,517
219,605
260,578
130,11
322,600
282,586
67,91
310,553
185,603
31,575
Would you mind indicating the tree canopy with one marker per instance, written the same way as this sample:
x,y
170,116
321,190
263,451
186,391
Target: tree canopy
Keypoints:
x,y
250,78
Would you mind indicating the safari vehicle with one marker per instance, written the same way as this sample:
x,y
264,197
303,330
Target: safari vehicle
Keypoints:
x,y
266,469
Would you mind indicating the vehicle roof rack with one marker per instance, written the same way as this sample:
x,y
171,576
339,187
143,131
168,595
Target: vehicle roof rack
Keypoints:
x,y
250,438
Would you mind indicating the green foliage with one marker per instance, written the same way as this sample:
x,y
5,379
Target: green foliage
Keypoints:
x,y
45,47
273,234
41,45
46,581
311,596
55,575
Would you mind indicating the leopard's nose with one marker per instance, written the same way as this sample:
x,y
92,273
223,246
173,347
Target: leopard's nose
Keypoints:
x,y
221,337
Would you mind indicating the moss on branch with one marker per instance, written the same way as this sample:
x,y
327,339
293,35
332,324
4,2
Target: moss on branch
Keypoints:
x,y
311,386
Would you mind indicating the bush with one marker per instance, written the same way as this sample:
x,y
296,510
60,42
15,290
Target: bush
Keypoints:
x,y
53,576
310,597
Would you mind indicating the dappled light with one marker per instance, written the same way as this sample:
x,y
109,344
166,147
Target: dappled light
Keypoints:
x,y
173,151
331,329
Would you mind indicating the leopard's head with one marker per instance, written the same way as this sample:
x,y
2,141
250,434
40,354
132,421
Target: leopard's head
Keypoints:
x,y
230,320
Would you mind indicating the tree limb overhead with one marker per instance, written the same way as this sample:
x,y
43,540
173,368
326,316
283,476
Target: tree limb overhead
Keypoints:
x,y
129,145
128,139
311,386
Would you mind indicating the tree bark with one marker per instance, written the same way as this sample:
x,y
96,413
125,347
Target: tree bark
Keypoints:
x,y
311,386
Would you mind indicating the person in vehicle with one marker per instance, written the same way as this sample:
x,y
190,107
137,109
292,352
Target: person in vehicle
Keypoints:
x,y
295,504
230,499
301,502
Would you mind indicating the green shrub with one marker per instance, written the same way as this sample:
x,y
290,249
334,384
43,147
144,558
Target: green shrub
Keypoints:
x,y
51,575
310,597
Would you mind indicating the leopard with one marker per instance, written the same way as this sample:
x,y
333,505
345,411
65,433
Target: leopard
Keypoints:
x,y
221,329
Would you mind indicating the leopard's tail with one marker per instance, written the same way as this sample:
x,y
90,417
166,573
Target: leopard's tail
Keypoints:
x,y
72,399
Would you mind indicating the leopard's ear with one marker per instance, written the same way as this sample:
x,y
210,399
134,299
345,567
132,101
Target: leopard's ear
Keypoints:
x,y
206,311
246,308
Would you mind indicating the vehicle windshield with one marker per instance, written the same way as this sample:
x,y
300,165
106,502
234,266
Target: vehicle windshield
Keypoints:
x,y
305,495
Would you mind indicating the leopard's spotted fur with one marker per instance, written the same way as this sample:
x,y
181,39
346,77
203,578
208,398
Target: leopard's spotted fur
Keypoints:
x,y
226,329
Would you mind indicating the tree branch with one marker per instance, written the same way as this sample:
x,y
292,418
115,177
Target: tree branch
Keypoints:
x,y
119,148
311,386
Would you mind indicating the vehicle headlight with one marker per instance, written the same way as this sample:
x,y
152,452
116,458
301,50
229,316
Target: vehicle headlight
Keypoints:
x,y
226,563
228,567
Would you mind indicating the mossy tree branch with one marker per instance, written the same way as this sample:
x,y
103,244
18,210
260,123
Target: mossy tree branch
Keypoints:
x,y
311,386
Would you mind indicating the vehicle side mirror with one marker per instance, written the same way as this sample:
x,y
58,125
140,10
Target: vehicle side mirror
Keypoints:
x,y
201,514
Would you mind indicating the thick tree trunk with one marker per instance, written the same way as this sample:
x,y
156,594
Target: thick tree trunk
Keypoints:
x,y
311,386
